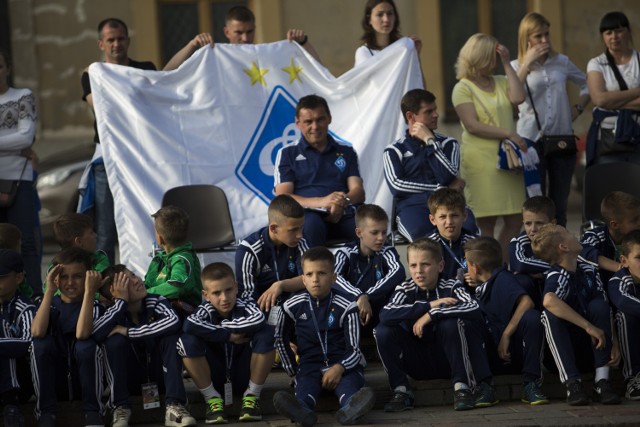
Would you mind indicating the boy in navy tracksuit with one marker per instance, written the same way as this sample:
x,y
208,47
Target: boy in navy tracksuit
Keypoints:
x,y
576,316
536,212
419,163
447,214
514,333
16,315
432,328
371,267
328,337
268,261
64,357
621,212
227,346
139,332
624,293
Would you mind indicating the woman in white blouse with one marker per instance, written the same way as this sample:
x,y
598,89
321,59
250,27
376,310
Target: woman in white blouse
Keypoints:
x,y
613,78
545,73
17,130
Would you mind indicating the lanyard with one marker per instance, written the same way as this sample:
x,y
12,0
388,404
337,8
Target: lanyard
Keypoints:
x,y
460,263
366,270
324,345
228,359
275,263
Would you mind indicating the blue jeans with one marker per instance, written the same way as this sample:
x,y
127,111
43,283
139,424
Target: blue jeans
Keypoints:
x,y
23,214
104,220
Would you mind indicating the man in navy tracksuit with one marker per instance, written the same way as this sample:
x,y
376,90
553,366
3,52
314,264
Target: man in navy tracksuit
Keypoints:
x,y
16,314
268,261
139,332
514,333
432,328
321,174
227,347
372,267
576,316
624,293
448,215
328,338
65,359
419,163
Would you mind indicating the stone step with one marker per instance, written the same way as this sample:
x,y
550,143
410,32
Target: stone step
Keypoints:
x,y
427,393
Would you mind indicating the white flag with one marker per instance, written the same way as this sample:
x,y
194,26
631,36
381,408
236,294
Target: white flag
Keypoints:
x,y
221,118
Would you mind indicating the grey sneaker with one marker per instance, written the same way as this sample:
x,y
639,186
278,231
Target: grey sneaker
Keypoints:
x,y
358,404
633,388
176,415
12,416
121,416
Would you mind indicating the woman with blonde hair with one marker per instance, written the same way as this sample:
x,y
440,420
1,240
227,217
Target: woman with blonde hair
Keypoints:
x,y
546,109
484,103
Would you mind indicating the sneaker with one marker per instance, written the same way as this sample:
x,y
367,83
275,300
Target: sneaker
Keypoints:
x,y
603,392
121,416
575,394
12,416
93,419
633,388
399,402
176,415
288,406
215,411
463,399
358,404
47,420
533,395
485,396
250,410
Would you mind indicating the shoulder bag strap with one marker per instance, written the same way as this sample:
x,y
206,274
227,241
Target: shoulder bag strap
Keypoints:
x,y
616,71
535,113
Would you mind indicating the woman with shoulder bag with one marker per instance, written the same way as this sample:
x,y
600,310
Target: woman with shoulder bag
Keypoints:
x,y
614,84
546,116
17,192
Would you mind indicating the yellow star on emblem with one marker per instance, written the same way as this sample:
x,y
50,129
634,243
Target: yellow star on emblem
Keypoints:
x,y
256,74
293,72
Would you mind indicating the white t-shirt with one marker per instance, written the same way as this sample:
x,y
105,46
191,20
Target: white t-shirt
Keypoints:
x,y
363,53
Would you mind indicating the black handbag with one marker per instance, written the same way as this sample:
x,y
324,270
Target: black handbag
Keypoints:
x,y
553,145
9,189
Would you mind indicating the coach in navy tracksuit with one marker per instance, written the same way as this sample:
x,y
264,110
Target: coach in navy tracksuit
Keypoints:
x,y
320,173
139,332
419,163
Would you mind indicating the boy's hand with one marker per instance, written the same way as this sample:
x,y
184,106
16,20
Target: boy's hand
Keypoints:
x,y
270,297
597,336
119,329
332,376
418,327
93,281
120,286
470,280
615,354
364,309
238,338
503,348
52,279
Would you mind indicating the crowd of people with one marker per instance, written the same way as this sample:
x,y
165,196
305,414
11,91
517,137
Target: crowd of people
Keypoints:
x,y
473,306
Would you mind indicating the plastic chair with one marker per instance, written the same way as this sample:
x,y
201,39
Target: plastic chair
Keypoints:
x,y
210,225
601,179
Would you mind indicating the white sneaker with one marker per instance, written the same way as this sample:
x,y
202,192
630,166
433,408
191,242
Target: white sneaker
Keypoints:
x,y
121,416
177,415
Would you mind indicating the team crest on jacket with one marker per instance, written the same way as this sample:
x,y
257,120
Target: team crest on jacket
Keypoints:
x,y
276,129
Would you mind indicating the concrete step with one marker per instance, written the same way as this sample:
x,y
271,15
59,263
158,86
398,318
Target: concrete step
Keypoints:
x,y
427,393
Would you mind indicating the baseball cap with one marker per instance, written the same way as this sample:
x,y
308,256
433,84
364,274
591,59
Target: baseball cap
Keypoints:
x,y
10,260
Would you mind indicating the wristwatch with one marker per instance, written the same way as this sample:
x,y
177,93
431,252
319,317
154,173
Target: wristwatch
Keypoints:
x,y
430,141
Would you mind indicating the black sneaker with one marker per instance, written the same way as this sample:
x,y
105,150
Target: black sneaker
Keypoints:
x,y
533,394
358,404
93,419
603,393
46,420
288,406
633,388
399,402
575,394
250,410
485,396
463,399
12,416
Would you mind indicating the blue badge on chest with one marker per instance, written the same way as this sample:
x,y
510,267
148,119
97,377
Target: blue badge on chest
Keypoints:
x,y
292,266
378,274
331,319
341,163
